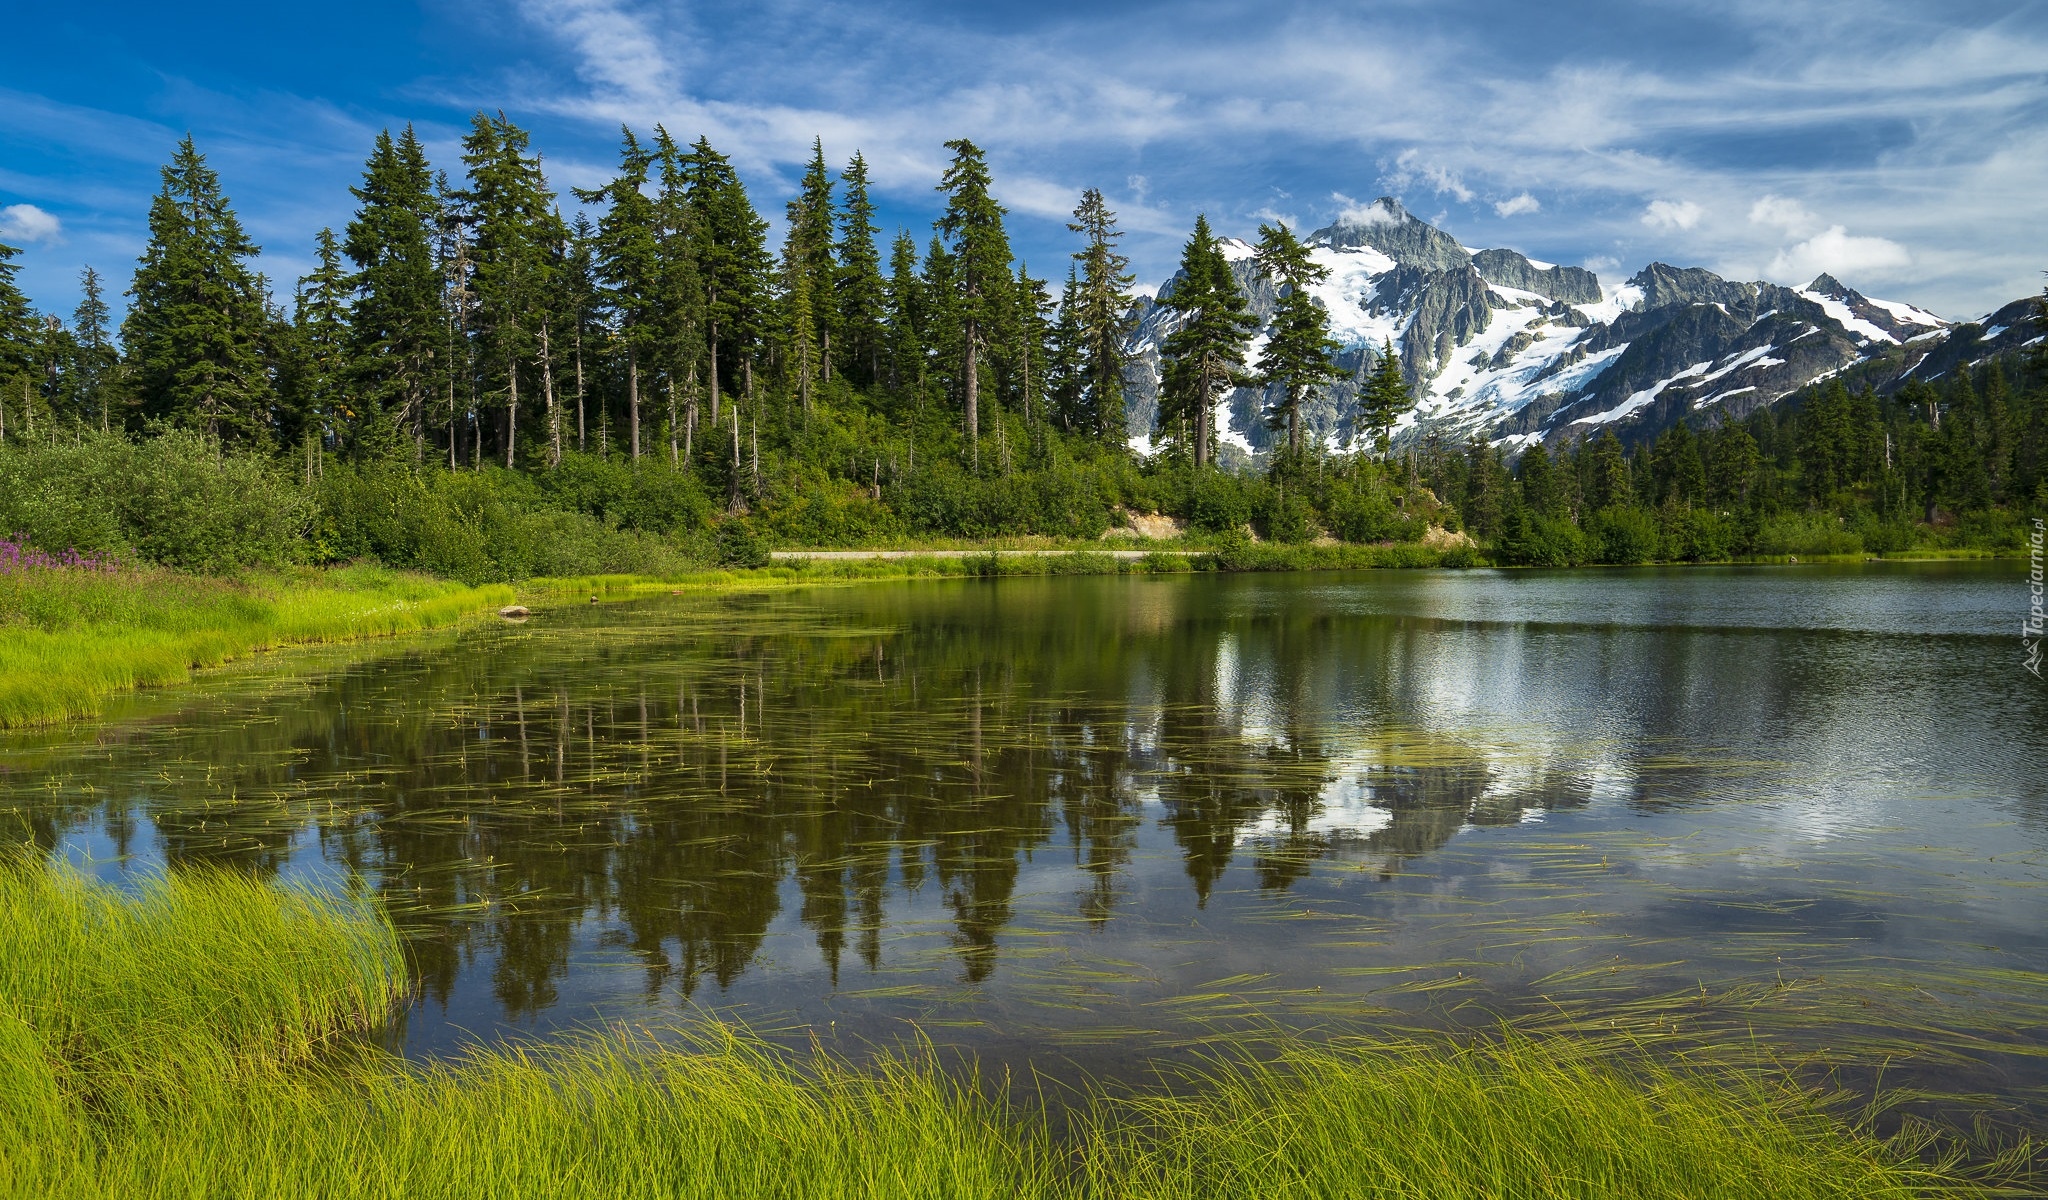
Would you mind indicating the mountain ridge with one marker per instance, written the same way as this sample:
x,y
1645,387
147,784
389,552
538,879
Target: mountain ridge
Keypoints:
x,y
1499,346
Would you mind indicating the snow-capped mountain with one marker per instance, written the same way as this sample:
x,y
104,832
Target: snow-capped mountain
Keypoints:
x,y
1500,346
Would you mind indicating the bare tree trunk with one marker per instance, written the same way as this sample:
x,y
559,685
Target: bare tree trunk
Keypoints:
x,y
633,396
733,502
675,457
511,410
714,377
973,382
581,445
690,418
547,383
1201,415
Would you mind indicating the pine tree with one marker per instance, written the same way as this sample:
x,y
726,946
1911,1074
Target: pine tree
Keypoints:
x,y
396,334
17,337
862,300
1540,490
96,376
681,299
1607,478
1732,463
320,393
582,301
516,237
812,228
732,263
1383,399
1102,312
1205,354
626,257
973,225
197,327
1299,355
1029,353
905,310
1067,370
801,328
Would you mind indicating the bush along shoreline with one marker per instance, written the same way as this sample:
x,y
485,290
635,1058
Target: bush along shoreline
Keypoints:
x,y
209,1034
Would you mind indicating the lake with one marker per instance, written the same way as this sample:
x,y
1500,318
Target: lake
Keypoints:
x,y
1090,822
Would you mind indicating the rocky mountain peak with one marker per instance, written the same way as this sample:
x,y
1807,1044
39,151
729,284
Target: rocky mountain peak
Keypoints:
x,y
1395,232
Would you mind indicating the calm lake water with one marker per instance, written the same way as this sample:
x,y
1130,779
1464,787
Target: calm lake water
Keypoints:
x,y
1091,821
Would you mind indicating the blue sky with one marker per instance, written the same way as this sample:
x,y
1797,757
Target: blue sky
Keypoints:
x,y
1902,146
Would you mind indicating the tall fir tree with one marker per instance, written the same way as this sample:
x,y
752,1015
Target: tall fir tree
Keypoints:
x,y
681,296
516,239
1299,355
1031,333
17,339
862,301
904,306
733,268
397,345
1067,370
626,256
1205,352
96,378
813,227
198,322
321,393
583,302
1383,399
980,249
1102,315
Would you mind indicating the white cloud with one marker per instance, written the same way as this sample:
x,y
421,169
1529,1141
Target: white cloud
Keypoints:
x,y
1351,212
1602,262
1788,215
1410,168
1672,214
27,223
1516,205
1835,252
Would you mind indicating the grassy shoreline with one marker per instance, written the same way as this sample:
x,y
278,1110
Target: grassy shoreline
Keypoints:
x,y
198,1038
72,640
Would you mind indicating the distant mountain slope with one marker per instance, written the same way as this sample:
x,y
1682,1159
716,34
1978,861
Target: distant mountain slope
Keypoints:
x,y
1516,351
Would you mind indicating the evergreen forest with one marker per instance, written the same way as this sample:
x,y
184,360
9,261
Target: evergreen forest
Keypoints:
x,y
474,382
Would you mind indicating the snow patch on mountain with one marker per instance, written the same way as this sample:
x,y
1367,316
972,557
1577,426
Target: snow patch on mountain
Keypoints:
x,y
1840,314
1509,349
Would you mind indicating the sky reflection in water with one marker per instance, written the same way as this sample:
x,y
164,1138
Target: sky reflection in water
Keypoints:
x,y
1096,819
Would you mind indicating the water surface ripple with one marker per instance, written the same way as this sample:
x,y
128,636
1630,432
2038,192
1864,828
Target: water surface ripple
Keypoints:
x,y
1096,820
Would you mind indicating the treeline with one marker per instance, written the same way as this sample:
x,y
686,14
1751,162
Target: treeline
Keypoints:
x,y
468,362
1958,463
475,382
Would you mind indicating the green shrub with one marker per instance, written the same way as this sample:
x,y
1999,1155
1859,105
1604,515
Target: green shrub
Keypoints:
x,y
1623,535
1532,541
739,546
177,500
1806,533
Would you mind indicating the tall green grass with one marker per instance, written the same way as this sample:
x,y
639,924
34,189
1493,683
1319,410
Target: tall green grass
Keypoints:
x,y
190,1040
1528,1119
69,640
